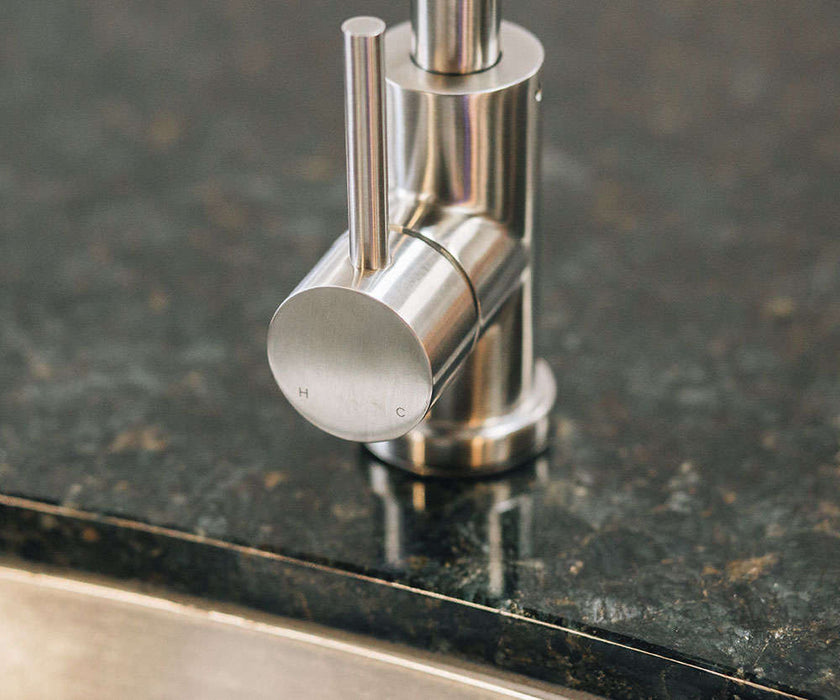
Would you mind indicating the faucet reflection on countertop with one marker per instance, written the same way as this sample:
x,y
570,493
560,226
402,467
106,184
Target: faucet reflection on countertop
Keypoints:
x,y
478,528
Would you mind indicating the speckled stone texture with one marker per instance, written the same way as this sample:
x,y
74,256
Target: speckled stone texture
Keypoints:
x,y
169,171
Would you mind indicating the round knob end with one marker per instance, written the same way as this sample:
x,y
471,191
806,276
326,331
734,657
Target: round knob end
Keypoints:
x,y
350,364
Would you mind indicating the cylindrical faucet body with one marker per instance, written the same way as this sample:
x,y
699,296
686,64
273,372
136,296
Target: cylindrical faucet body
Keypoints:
x,y
464,162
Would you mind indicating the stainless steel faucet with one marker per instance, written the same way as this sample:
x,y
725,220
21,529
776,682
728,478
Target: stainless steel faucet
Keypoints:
x,y
419,342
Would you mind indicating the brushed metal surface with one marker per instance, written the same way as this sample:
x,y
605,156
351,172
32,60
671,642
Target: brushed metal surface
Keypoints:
x,y
492,445
364,108
469,142
364,355
464,162
455,36
449,338
69,639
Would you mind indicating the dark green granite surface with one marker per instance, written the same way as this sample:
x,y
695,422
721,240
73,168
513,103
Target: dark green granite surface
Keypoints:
x,y
168,172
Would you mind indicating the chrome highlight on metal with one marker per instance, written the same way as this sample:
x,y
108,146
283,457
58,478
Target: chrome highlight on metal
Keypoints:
x,y
430,359
469,144
455,36
364,105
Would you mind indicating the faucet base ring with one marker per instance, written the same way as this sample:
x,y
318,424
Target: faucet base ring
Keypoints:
x,y
463,450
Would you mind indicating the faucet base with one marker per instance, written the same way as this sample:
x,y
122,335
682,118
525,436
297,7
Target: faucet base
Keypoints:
x,y
438,448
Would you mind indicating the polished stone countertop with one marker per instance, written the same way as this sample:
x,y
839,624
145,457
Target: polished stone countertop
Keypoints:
x,y
169,171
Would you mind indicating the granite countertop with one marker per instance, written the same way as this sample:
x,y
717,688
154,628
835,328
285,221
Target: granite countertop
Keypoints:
x,y
168,172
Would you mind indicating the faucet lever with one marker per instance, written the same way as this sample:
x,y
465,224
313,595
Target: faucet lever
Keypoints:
x,y
367,175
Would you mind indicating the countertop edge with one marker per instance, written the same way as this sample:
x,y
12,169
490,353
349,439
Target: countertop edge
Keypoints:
x,y
387,610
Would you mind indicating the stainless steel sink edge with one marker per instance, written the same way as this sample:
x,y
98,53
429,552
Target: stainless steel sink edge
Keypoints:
x,y
63,637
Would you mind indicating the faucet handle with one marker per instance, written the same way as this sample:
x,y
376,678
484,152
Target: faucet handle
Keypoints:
x,y
367,174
